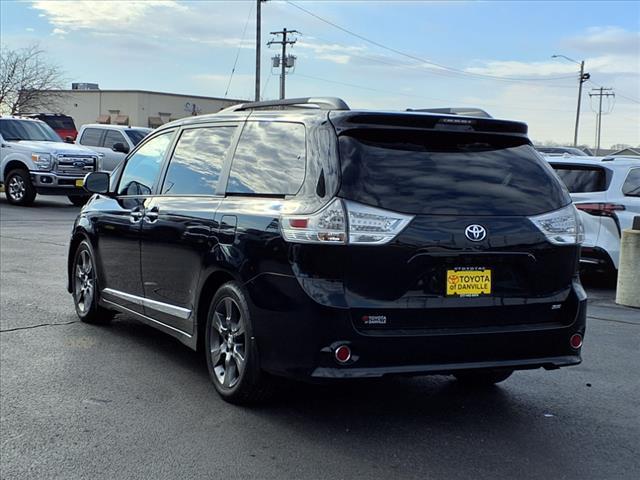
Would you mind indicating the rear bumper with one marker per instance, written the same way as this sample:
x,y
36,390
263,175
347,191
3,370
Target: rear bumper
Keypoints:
x,y
297,337
50,183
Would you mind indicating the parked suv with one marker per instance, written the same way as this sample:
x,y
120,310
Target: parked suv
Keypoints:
x,y
34,160
324,243
607,193
62,124
112,142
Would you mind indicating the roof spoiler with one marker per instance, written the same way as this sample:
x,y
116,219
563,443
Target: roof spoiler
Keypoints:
x,y
321,103
462,111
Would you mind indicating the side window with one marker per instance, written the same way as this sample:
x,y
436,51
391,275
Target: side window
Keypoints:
x,y
197,161
91,137
270,159
631,187
143,166
112,138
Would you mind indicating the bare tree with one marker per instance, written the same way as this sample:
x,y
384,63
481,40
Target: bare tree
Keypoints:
x,y
28,81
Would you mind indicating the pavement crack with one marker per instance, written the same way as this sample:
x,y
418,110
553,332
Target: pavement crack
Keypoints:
x,y
611,320
38,326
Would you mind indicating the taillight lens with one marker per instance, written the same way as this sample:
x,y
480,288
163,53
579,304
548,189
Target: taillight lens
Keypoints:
x,y
342,222
600,209
561,227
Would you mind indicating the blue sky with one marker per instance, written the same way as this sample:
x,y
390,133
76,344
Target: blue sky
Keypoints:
x,y
190,47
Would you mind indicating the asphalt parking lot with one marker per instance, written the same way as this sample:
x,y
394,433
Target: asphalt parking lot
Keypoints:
x,y
125,401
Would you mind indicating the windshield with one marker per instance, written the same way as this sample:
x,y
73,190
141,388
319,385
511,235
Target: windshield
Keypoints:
x,y
13,130
442,173
136,135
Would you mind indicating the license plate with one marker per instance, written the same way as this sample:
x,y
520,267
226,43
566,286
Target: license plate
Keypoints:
x,y
79,182
469,281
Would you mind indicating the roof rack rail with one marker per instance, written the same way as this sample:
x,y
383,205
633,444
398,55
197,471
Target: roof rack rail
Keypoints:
x,y
463,111
322,103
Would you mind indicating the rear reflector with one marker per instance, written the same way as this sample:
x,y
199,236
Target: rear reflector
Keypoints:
x,y
342,354
575,341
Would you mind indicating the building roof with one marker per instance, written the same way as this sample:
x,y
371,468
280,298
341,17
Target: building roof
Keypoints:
x,y
230,100
628,151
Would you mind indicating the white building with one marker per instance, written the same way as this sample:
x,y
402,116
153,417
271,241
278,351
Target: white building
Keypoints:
x,y
135,107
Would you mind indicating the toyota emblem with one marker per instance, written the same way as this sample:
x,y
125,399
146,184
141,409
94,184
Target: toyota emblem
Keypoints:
x,y
475,233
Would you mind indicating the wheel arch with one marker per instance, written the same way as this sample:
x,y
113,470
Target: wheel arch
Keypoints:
x,y
213,281
13,165
78,236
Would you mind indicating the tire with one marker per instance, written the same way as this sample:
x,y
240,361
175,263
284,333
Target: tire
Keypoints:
x,y
231,351
78,200
483,378
19,189
84,287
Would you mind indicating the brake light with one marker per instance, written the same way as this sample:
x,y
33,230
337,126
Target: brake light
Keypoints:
x,y
600,209
344,221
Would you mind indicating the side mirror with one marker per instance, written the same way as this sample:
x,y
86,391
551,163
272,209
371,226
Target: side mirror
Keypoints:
x,y
97,182
69,139
120,148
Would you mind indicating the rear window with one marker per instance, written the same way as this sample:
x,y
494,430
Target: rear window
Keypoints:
x,y
580,179
59,123
631,187
447,173
270,159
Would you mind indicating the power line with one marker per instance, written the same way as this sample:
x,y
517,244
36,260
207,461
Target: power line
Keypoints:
x,y
635,100
422,60
603,92
481,103
235,63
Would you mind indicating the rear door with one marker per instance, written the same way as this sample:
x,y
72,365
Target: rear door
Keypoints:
x,y
180,223
470,195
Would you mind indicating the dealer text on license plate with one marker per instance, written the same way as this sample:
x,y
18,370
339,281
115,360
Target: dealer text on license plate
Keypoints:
x,y
469,281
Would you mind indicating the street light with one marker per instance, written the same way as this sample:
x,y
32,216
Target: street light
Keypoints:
x,y
581,79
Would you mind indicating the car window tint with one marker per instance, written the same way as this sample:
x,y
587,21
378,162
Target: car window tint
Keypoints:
x,y
582,179
91,137
270,159
631,187
142,168
112,137
447,173
197,161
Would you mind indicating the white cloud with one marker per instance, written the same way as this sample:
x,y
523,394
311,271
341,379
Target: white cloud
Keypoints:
x,y
606,39
59,32
29,29
99,15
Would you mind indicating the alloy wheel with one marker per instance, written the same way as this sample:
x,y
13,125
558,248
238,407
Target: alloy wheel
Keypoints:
x,y
84,282
228,342
17,188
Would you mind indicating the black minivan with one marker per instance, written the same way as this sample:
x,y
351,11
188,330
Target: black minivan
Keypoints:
x,y
303,239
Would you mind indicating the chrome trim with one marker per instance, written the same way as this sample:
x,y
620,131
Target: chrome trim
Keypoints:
x,y
145,319
177,312
590,261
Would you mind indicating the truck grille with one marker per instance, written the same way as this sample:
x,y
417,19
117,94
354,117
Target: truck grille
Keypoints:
x,y
75,165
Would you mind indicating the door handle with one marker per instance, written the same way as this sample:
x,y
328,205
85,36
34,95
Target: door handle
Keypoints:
x,y
151,215
136,215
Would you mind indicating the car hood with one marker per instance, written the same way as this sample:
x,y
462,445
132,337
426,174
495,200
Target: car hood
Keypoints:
x,y
56,148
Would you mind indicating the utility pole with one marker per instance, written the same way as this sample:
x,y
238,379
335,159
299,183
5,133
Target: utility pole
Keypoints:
x,y
603,92
581,79
285,62
258,42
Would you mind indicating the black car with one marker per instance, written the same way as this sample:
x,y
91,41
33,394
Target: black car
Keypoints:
x,y
326,243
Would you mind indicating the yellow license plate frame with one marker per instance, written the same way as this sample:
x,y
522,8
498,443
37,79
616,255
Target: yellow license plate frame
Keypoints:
x,y
468,282
80,183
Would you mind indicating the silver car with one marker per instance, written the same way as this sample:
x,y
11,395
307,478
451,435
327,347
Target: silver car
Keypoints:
x,y
112,142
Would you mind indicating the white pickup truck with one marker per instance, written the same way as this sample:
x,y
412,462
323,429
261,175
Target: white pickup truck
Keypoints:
x,y
34,160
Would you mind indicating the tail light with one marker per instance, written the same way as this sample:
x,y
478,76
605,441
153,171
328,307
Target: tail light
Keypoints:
x,y
600,209
561,227
342,222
